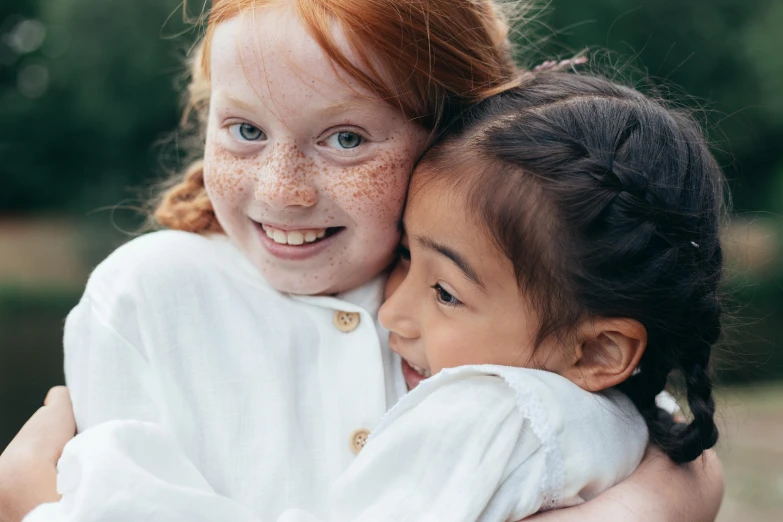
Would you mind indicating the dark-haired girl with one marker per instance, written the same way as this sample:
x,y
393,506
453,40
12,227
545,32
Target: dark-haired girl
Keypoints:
x,y
560,261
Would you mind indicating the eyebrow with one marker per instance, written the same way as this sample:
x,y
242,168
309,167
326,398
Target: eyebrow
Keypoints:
x,y
455,258
237,102
354,102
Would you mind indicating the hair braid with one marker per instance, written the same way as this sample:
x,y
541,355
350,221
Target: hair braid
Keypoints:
x,y
186,205
608,205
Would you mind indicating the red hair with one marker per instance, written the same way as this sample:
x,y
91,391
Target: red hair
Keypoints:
x,y
430,59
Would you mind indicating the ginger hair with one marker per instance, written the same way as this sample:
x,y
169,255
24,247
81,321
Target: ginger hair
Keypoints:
x,y
456,53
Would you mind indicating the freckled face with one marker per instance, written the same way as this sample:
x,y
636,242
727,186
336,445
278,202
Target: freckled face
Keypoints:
x,y
307,172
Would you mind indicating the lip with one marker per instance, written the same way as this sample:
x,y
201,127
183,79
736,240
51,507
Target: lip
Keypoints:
x,y
412,377
286,228
298,252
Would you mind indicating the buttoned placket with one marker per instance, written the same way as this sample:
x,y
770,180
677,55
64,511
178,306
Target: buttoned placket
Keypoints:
x,y
352,366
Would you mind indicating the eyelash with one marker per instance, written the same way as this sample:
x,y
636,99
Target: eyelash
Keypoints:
x,y
351,150
235,130
439,293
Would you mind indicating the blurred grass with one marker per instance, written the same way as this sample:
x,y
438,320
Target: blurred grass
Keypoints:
x,y
751,422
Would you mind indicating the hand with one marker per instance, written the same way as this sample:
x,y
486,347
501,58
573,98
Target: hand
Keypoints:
x,y
28,466
658,491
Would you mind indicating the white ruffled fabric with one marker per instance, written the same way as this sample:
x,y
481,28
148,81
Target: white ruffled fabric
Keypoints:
x,y
475,443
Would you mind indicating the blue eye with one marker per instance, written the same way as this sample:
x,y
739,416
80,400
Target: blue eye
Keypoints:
x,y
345,140
246,132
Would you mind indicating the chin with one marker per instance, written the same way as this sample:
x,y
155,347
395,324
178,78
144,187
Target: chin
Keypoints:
x,y
317,283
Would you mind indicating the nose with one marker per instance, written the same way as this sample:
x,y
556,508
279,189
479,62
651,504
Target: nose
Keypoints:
x,y
286,178
398,313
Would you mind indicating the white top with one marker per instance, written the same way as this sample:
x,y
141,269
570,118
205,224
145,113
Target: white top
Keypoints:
x,y
182,330
475,443
265,424
490,444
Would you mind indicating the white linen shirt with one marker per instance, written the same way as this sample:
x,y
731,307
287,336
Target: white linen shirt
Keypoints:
x,y
201,394
260,390
474,443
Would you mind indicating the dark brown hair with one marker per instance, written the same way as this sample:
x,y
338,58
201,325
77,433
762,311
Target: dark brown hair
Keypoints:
x,y
608,204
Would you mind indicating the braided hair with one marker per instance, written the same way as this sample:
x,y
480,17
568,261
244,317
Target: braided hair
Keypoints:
x,y
608,204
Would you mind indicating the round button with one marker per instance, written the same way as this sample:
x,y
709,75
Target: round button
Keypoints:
x,y
359,439
346,321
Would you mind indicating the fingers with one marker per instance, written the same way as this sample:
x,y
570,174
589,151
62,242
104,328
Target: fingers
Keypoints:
x,y
58,395
50,428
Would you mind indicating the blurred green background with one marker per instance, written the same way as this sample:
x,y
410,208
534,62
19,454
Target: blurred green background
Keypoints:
x,y
89,94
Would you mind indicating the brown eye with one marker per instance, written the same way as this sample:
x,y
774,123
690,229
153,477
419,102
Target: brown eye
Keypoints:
x,y
445,297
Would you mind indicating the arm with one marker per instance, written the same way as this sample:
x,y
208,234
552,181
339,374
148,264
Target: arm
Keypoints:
x,y
28,470
127,471
658,491
450,450
108,374
111,374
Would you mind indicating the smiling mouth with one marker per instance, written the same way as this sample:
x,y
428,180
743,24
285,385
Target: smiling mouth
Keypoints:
x,y
418,369
304,236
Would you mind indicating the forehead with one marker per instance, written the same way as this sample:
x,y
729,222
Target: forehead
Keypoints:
x,y
437,206
267,55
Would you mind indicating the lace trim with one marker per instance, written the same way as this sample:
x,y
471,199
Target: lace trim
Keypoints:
x,y
529,405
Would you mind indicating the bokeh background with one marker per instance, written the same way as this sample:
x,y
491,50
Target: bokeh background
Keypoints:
x,y
89,97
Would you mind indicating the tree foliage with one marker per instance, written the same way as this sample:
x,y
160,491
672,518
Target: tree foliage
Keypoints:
x,y
80,112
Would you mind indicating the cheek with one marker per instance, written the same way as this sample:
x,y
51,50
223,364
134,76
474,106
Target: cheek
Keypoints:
x,y
464,342
225,176
373,193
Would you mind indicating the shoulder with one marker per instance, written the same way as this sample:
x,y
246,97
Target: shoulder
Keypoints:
x,y
154,265
457,396
166,246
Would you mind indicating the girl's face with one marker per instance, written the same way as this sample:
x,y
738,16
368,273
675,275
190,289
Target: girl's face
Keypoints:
x,y
453,298
307,171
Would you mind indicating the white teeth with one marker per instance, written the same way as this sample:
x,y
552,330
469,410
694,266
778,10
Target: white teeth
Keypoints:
x,y
281,237
295,237
421,371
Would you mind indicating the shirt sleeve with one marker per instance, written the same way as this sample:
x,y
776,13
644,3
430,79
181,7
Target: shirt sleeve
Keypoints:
x,y
464,453
125,465
109,377
129,471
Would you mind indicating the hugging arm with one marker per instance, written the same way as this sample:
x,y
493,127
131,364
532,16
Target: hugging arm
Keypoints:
x,y
658,491
28,466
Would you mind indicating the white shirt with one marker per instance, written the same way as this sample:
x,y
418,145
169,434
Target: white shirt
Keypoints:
x,y
491,444
260,390
261,429
475,443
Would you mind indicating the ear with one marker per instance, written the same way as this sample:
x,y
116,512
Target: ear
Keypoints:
x,y
607,353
